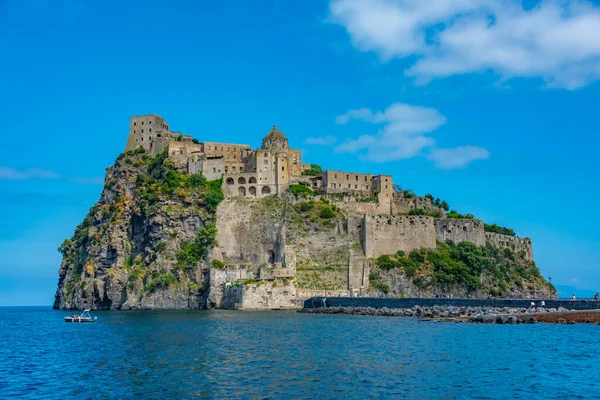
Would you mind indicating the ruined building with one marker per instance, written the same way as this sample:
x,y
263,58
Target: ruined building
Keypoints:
x,y
247,172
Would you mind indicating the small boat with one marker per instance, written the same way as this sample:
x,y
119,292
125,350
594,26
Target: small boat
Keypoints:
x,y
83,317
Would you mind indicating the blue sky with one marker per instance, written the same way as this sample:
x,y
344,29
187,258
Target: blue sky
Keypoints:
x,y
490,105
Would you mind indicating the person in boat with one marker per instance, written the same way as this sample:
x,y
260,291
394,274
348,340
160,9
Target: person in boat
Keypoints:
x,y
596,297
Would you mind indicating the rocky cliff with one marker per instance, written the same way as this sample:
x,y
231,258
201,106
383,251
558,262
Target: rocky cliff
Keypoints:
x,y
143,245
160,238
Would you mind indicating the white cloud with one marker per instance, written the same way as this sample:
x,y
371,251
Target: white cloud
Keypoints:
x,y
401,136
573,280
556,40
321,141
457,157
13,174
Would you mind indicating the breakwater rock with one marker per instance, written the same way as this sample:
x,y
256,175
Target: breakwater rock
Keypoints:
x,y
491,315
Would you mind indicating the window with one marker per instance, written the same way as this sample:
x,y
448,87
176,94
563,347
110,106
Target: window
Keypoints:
x,y
347,177
367,187
335,176
234,156
265,154
142,131
134,131
266,169
150,130
386,186
142,139
135,123
180,151
295,161
365,178
214,170
228,155
226,168
241,169
356,177
221,147
235,149
266,162
227,148
209,147
150,122
386,180
142,122
355,186
283,168
233,168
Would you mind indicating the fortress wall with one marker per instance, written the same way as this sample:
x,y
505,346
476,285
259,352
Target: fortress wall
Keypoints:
x,y
352,207
513,242
268,295
248,232
404,205
358,273
388,234
460,230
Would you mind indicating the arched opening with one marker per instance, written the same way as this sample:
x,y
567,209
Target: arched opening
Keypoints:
x,y
252,191
242,191
252,180
241,180
230,181
270,256
265,190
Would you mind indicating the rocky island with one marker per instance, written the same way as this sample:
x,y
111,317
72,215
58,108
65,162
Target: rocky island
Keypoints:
x,y
184,224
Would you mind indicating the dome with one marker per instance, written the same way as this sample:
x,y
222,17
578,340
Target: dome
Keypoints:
x,y
275,140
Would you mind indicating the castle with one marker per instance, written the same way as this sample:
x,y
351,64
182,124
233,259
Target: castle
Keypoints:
x,y
247,172
377,219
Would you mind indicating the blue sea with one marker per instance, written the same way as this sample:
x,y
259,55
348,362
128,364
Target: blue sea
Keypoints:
x,y
277,354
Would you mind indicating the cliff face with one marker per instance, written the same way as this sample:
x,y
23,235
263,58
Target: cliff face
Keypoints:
x,y
462,270
159,238
142,244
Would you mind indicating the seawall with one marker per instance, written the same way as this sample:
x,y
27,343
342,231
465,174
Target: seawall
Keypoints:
x,y
406,302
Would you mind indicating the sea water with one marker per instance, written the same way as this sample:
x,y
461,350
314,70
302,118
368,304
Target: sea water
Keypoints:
x,y
277,354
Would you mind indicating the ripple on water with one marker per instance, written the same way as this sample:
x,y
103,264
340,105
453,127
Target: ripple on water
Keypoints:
x,y
227,354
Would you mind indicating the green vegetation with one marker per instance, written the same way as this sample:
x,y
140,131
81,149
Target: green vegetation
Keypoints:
x,y
305,206
161,246
196,141
454,214
387,263
420,211
217,264
377,284
301,190
313,171
465,265
192,253
326,213
499,229
160,279
162,180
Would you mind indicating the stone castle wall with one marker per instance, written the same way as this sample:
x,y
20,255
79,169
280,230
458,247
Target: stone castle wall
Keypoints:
x,y
512,242
460,230
386,234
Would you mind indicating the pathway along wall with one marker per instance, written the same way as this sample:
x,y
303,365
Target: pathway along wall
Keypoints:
x,y
381,302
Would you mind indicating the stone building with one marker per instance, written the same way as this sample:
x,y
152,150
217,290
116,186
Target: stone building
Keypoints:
x,y
247,172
